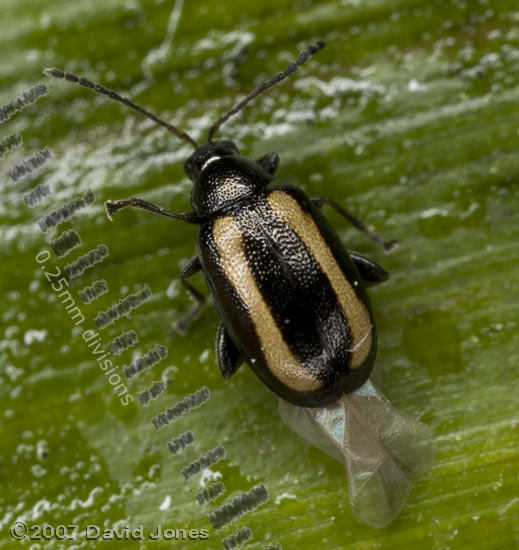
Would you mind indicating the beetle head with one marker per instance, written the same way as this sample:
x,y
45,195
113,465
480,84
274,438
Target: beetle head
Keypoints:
x,y
205,154
221,176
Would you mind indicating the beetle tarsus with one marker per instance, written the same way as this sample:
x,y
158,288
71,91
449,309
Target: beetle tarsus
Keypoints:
x,y
110,210
181,326
389,246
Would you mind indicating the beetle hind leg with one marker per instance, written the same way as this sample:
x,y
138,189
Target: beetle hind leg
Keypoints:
x,y
227,353
370,272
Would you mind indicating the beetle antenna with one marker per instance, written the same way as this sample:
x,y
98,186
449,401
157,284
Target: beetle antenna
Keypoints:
x,y
303,57
57,73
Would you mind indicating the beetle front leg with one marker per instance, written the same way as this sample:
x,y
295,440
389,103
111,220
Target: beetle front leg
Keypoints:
x,y
269,162
112,207
182,324
388,246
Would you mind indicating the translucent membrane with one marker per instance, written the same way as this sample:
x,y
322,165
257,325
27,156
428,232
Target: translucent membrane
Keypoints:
x,y
380,446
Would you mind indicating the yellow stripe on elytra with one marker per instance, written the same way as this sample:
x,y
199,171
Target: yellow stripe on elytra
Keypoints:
x,y
279,358
302,223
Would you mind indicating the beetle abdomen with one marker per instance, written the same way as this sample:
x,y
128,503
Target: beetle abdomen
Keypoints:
x,y
287,297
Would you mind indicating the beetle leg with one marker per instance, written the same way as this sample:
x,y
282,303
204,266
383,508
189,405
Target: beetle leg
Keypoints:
x,y
182,324
113,206
269,162
227,353
370,271
356,222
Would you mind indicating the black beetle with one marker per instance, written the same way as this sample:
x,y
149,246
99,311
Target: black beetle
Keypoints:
x,y
291,298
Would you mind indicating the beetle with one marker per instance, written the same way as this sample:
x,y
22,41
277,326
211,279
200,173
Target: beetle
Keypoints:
x,y
292,300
